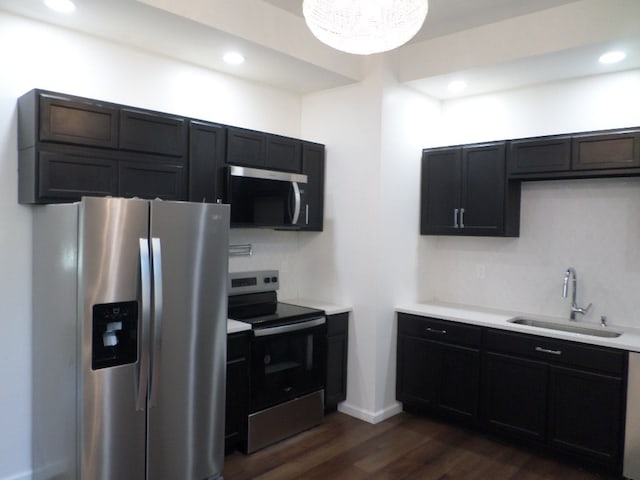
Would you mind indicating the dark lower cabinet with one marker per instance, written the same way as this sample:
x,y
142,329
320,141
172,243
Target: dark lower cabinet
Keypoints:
x,y
515,396
337,358
237,392
561,396
586,413
565,396
438,366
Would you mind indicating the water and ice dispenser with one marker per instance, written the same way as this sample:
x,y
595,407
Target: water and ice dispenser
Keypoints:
x,y
115,334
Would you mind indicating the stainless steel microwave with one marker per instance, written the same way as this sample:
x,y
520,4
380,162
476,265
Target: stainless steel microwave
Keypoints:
x,y
266,198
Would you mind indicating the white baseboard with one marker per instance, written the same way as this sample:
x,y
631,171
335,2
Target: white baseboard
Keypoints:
x,y
369,416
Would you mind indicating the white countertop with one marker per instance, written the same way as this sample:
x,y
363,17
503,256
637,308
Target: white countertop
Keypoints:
x,y
629,340
234,326
329,308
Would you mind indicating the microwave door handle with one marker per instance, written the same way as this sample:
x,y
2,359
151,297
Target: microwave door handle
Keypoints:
x,y
296,204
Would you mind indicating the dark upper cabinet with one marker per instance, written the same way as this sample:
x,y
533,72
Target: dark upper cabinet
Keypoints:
x,y
207,148
606,151
152,133
284,153
59,173
49,117
337,355
580,155
313,165
464,191
250,148
71,147
535,155
151,179
440,191
246,147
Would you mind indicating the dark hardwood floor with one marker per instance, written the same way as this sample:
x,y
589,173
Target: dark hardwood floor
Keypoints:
x,y
404,447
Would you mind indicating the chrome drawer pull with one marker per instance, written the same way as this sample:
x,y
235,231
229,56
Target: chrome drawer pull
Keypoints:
x,y
433,330
546,350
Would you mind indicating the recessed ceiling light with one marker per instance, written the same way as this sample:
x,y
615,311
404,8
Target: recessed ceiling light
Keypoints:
x,y
457,86
233,58
62,6
612,57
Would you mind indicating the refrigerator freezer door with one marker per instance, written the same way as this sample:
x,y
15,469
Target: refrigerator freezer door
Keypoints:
x,y
186,418
112,429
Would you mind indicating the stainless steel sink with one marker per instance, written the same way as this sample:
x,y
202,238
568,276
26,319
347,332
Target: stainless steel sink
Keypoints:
x,y
565,327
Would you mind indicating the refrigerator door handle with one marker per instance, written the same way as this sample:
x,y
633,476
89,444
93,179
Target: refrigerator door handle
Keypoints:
x,y
145,324
156,259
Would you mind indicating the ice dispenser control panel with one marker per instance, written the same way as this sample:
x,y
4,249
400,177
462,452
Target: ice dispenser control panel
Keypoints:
x,y
115,334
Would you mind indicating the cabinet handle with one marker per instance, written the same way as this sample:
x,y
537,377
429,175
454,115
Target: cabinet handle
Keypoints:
x,y
455,218
462,218
546,350
433,330
236,361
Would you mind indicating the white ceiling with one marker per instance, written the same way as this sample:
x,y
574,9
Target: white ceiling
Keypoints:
x,y
492,44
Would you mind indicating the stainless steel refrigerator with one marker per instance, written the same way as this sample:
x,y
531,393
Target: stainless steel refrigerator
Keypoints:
x,y
129,340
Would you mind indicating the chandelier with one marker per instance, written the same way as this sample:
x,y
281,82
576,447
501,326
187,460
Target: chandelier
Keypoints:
x,y
364,26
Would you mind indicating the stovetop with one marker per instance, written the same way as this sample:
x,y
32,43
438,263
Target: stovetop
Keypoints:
x,y
253,299
285,313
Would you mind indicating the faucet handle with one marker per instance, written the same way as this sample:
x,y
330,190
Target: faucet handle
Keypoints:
x,y
586,310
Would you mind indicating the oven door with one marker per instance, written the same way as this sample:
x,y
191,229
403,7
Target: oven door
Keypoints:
x,y
287,361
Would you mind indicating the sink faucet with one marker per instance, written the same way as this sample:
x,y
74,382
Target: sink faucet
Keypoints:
x,y
565,287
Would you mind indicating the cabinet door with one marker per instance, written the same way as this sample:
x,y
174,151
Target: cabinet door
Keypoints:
x,y
515,396
539,155
313,164
284,154
69,175
417,371
147,179
608,151
246,147
440,191
337,354
237,392
586,414
153,133
206,161
483,190
459,386
66,120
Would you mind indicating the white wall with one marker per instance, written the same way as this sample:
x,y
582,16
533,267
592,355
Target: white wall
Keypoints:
x,y
38,56
592,225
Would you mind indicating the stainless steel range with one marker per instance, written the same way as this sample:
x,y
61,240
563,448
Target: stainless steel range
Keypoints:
x,y
288,359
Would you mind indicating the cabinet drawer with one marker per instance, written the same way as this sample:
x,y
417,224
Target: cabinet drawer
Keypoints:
x,y
600,359
440,330
237,347
153,133
66,121
337,324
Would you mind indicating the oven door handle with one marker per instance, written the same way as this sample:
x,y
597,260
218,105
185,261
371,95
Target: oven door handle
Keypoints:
x,y
263,332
